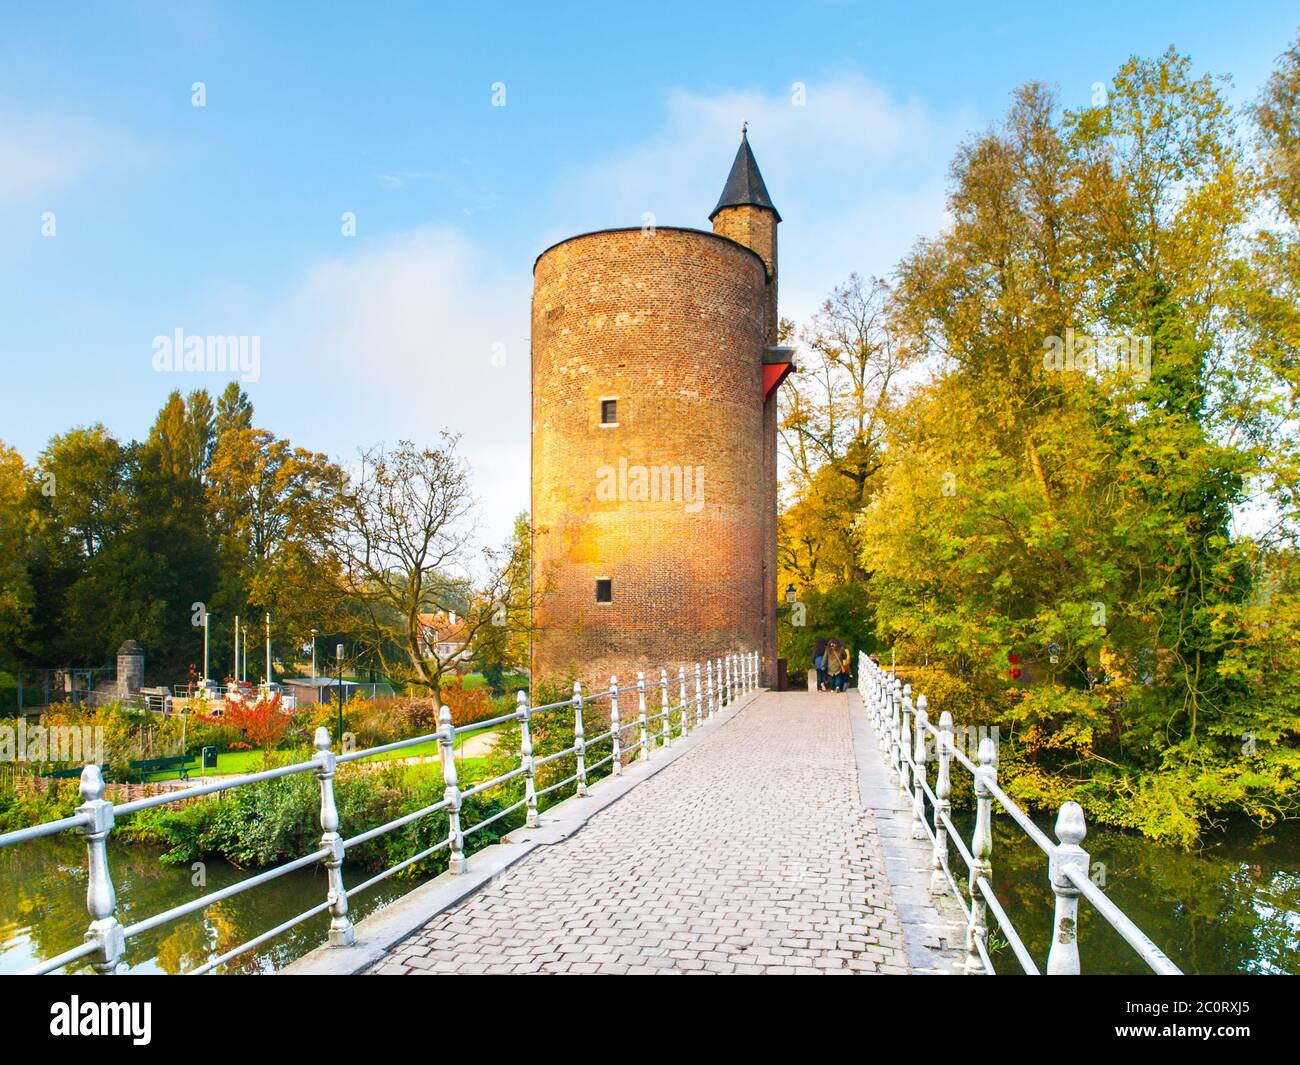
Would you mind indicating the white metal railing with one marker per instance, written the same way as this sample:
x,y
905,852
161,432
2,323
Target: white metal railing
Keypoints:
x,y
905,734
721,682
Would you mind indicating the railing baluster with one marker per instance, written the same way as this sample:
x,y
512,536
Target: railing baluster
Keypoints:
x,y
918,770
893,698
905,743
617,761
882,729
341,934
579,739
942,807
699,698
710,686
981,849
526,759
1063,957
101,896
682,700
455,838
644,753
665,730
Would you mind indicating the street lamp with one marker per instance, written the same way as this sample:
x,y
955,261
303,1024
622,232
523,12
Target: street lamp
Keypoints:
x,y
313,659
791,594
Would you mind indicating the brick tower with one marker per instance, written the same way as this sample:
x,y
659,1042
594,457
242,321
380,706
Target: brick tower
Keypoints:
x,y
654,380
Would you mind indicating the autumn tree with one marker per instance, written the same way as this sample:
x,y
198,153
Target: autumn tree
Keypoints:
x,y
407,550
831,426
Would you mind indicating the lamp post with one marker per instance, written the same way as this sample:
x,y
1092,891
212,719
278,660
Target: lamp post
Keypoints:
x,y
235,671
791,594
268,651
313,659
205,648
338,654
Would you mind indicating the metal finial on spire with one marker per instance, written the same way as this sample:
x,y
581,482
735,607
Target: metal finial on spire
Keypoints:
x,y
744,128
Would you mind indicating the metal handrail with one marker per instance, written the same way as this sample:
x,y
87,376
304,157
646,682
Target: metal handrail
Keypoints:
x,y
728,678
903,732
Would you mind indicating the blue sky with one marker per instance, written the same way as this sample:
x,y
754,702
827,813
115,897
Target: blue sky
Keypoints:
x,y
226,219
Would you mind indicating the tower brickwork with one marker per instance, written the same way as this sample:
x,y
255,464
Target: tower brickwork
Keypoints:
x,y
654,444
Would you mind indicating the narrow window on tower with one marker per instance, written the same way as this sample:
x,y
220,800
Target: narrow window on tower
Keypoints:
x,y
604,590
608,413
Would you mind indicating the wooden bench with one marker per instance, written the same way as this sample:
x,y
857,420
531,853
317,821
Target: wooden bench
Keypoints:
x,y
148,766
72,774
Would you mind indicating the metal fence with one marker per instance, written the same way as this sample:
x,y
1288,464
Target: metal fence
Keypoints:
x,y
719,683
905,734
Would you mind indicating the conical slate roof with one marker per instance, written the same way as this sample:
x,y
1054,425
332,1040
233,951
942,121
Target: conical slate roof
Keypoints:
x,y
745,186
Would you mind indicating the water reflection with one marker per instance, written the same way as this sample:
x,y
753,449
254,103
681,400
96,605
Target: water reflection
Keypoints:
x,y
43,909
1234,907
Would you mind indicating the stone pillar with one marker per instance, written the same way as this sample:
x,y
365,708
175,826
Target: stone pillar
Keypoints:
x,y
130,669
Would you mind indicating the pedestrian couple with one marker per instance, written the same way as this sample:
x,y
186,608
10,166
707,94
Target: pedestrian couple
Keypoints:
x,y
832,663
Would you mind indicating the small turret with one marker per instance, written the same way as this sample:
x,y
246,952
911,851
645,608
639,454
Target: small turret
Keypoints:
x,y
745,213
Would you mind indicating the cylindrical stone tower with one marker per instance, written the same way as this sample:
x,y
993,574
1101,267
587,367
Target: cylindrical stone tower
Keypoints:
x,y
654,492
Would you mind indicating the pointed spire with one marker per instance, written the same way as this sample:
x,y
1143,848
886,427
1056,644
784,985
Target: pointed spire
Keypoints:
x,y
745,186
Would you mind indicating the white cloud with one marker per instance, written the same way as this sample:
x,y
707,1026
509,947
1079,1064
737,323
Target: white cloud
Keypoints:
x,y
45,153
400,340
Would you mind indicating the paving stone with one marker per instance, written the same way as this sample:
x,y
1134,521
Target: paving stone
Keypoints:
x,y
752,853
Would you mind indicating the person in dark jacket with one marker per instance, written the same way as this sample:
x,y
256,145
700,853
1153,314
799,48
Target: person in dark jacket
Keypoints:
x,y
819,663
835,668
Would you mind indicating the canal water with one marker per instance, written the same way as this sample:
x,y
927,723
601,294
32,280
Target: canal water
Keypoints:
x,y
1233,907
43,908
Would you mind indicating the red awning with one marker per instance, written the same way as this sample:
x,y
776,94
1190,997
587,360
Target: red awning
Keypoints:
x,y
773,374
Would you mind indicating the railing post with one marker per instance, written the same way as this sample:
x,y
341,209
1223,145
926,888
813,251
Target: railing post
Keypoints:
x,y
981,849
883,711
665,729
101,896
942,807
699,698
905,743
722,686
455,838
644,752
683,701
579,739
918,769
893,698
709,670
526,759
615,728
341,932
1063,957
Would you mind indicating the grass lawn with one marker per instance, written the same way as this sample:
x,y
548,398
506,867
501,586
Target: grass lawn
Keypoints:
x,y
235,763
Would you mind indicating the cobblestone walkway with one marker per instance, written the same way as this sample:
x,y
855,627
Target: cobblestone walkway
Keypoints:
x,y
750,854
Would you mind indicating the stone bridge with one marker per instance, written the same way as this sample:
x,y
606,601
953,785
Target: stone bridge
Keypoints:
x,y
741,831
768,841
